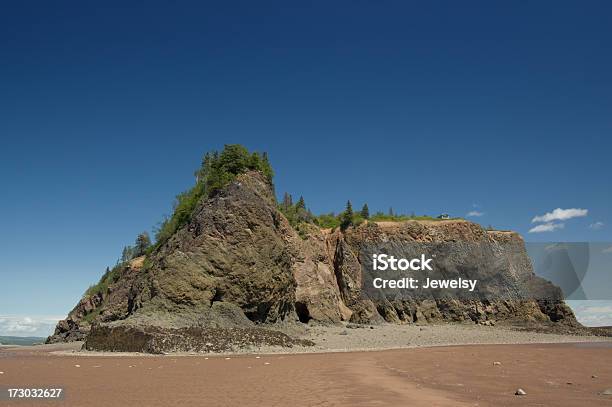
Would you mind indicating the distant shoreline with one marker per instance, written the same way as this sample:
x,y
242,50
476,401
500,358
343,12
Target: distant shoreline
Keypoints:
x,y
21,340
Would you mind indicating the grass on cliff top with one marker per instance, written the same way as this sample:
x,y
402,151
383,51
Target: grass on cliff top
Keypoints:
x,y
298,215
332,221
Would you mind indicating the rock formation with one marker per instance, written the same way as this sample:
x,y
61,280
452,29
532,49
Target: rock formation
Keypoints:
x,y
237,269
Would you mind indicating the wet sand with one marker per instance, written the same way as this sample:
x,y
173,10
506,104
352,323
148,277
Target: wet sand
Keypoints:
x,y
438,376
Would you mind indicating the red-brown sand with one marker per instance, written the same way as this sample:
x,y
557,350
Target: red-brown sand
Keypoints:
x,y
552,375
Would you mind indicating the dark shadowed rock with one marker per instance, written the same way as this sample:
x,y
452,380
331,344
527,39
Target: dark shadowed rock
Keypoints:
x,y
155,339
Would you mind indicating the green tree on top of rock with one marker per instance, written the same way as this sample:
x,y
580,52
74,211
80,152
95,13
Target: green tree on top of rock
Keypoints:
x,y
141,245
287,202
346,219
217,171
365,211
301,204
127,254
143,241
295,214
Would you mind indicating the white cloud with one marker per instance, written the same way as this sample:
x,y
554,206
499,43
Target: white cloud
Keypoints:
x,y
546,227
473,214
11,325
592,313
596,225
608,250
561,214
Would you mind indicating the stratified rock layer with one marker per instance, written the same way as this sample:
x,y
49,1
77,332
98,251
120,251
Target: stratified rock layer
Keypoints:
x,y
499,259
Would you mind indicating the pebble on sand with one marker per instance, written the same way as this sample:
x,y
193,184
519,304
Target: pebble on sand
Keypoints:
x,y
267,363
77,365
606,392
496,363
1,372
520,392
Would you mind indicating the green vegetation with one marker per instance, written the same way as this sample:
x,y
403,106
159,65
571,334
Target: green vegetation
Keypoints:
x,y
365,211
141,245
328,221
140,248
382,217
92,315
217,171
346,218
143,241
109,277
297,214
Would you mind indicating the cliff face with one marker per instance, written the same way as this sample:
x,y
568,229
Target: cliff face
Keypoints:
x,y
239,264
511,292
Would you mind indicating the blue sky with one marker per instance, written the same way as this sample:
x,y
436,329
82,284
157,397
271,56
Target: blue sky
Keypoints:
x,y
106,110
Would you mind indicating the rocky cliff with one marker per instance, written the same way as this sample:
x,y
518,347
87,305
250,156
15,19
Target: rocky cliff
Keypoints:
x,y
238,269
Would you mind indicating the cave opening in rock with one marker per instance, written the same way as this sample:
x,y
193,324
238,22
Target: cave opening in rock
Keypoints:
x,y
301,310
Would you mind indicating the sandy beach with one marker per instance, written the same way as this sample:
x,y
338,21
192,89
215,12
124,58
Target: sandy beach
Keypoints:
x,y
552,374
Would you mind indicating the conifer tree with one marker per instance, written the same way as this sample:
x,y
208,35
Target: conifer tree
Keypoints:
x,y
301,204
266,167
127,254
143,241
365,211
347,216
287,201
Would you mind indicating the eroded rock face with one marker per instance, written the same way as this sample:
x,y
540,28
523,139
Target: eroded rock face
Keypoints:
x,y
238,263
233,250
110,305
514,294
317,296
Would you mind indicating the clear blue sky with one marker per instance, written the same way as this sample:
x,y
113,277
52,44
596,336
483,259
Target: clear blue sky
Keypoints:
x,y
106,110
